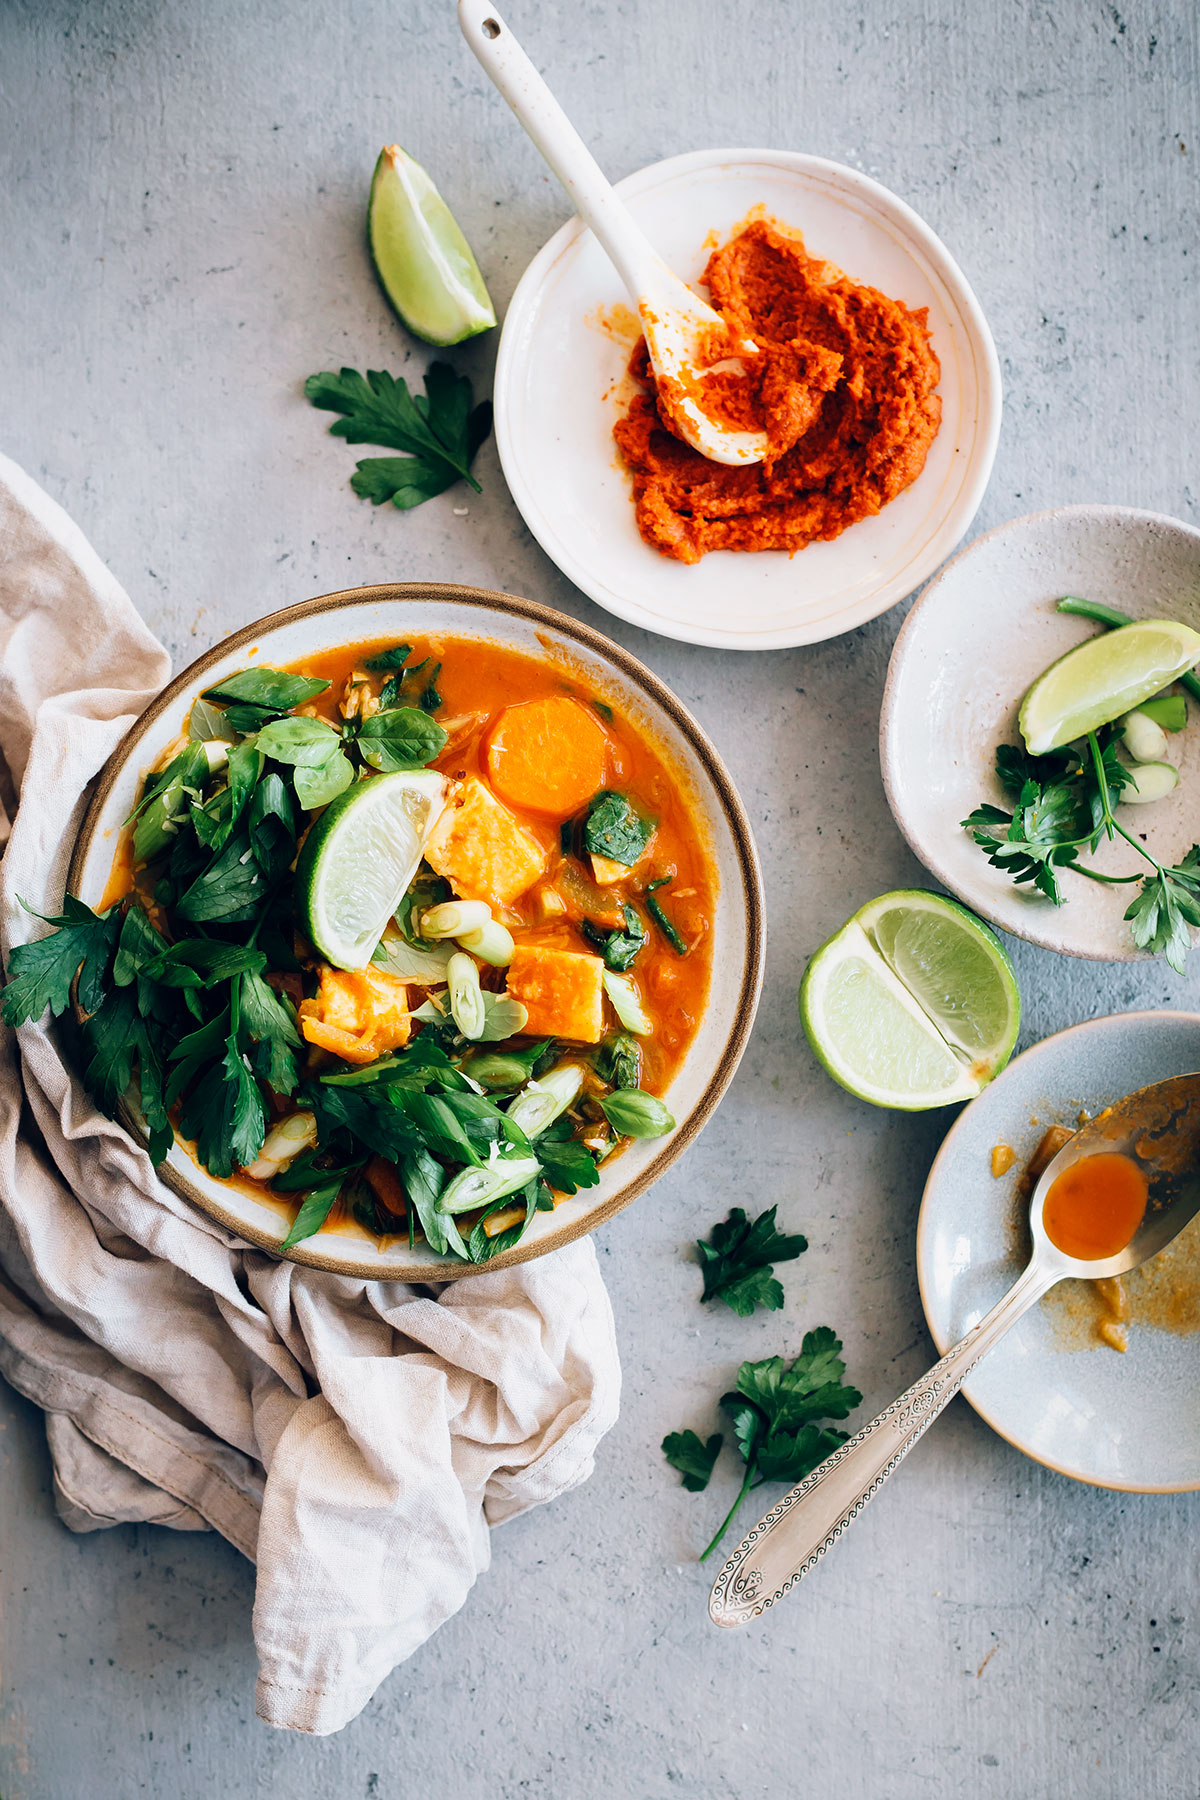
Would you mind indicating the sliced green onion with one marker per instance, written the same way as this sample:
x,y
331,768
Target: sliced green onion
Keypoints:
x,y
627,1003
479,1187
466,995
454,917
496,1070
283,1143
540,1102
492,942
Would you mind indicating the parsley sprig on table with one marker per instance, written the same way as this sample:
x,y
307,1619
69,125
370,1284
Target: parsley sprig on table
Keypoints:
x,y
738,1257
439,431
775,1411
1063,809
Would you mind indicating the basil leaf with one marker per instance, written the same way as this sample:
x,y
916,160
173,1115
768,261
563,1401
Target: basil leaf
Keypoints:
x,y
277,689
206,722
317,787
314,750
615,830
387,660
503,1017
300,742
403,737
315,1208
618,948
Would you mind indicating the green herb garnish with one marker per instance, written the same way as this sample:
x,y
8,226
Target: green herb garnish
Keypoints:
x,y
614,829
738,1261
618,948
440,430
1064,807
774,1410
693,1457
655,909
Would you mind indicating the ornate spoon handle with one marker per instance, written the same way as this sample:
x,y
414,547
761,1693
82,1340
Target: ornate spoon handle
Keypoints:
x,y
796,1533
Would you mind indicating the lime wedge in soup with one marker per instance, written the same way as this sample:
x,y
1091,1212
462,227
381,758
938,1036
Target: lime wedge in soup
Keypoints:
x,y
359,859
1103,678
912,1004
421,256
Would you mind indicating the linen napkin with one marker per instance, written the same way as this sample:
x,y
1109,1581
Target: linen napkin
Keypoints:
x,y
356,1439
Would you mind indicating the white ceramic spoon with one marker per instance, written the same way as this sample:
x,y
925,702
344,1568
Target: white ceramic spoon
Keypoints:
x,y
676,324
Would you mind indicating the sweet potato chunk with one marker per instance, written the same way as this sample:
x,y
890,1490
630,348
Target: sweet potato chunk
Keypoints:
x,y
357,1016
547,756
562,991
481,850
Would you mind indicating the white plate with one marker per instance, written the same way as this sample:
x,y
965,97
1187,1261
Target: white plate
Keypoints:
x,y
974,642
1120,1421
419,609
555,408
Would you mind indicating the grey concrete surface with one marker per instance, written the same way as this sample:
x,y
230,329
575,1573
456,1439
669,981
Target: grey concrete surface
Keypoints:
x,y
180,243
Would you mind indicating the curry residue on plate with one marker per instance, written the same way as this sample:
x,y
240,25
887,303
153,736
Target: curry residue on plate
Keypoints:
x,y
844,387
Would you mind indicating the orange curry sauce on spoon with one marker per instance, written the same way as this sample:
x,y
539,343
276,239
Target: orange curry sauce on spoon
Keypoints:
x,y
1095,1206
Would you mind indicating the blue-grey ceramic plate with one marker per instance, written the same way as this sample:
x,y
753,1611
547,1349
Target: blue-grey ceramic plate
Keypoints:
x,y
1129,1421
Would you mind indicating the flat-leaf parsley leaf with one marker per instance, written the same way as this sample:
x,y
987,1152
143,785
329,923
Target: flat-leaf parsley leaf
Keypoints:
x,y
439,431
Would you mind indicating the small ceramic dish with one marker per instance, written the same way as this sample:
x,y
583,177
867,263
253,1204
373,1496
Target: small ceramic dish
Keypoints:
x,y
973,643
1126,1421
561,369
424,609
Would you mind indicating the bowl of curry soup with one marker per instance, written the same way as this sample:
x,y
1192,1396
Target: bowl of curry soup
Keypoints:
x,y
557,998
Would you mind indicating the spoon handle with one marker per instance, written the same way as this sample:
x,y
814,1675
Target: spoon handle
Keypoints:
x,y
507,65
796,1533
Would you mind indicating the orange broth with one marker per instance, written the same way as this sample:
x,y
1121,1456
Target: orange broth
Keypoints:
x,y
481,677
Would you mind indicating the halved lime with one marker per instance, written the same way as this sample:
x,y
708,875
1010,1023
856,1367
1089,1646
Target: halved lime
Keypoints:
x,y
421,256
912,1004
1103,678
359,858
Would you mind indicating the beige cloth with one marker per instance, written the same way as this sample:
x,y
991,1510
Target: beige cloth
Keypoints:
x,y
356,1439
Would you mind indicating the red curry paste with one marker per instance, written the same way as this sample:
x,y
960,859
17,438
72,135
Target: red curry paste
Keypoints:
x,y
844,388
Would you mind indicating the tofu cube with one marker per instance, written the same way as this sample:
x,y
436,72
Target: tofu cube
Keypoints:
x,y
562,991
482,850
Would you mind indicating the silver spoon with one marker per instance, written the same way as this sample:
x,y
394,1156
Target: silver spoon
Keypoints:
x,y
1159,1128
679,328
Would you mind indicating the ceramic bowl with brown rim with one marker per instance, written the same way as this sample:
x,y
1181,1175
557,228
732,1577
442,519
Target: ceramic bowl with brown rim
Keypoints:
x,y
415,609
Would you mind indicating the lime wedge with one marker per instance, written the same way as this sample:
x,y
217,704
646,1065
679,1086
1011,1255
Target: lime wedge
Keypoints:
x,y
912,1004
421,256
359,858
1103,678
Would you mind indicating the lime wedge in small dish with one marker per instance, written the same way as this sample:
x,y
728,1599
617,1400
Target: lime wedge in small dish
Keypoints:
x,y
912,1004
1103,678
359,858
421,257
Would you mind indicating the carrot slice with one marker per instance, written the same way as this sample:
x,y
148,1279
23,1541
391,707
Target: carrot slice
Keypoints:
x,y
547,756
